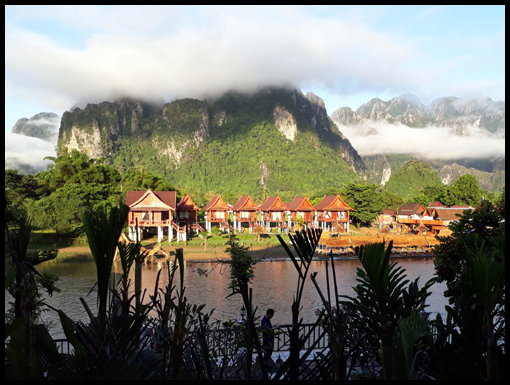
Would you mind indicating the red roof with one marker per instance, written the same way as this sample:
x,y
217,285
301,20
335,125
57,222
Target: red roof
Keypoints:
x,y
246,204
187,204
410,209
273,204
388,212
167,197
332,203
300,204
216,203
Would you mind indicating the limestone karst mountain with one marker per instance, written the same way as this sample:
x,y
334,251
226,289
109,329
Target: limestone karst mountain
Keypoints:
x,y
276,138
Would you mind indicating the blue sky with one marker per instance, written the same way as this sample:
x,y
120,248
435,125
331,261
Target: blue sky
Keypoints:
x,y
57,56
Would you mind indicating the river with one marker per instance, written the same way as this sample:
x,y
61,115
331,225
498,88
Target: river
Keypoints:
x,y
274,286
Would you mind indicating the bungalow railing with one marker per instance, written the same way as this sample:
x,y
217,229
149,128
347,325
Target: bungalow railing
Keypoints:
x,y
322,218
150,222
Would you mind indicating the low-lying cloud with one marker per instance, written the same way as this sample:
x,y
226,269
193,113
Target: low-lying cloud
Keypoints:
x,y
433,142
27,153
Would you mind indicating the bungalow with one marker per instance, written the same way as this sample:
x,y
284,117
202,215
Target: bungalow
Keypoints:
x,y
386,217
334,211
216,211
411,211
273,211
301,207
186,214
449,214
245,211
151,209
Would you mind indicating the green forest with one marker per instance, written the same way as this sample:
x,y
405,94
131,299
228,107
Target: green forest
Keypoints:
x,y
56,199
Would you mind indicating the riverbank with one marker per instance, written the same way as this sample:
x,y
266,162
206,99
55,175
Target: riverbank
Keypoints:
x,y
217,253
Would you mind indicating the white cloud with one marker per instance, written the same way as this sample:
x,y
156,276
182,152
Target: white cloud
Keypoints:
x,y
432,142
20,149
166,51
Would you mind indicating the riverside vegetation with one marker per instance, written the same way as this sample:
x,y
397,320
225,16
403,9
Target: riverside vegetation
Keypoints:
x,y
56,199
381,332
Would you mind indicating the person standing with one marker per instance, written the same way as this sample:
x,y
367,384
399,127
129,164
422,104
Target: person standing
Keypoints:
x,y
268,337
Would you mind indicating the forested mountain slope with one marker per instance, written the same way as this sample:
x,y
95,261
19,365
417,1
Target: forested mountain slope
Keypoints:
x,y
275,141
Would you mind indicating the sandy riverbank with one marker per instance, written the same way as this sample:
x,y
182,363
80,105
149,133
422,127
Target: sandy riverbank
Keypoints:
x,y
197,253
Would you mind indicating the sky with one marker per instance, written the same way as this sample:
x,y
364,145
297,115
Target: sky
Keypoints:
x,y
59,55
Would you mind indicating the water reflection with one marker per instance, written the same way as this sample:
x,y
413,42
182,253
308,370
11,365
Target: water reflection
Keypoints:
x,y
274,286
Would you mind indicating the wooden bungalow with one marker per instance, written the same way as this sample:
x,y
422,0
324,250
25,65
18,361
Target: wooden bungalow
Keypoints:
x,y
332,211
216,211
186,214
386,217
410,214
301,207
411,211
152,209
273,211
245,211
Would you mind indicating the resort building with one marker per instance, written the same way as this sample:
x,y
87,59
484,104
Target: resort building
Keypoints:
x,y
332,211
273,211
216,211
151,209
245,212
301,208
187,214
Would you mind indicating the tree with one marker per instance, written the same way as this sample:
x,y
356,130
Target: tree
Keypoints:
x,y
464,191
19,191
477,234
74,183
365,199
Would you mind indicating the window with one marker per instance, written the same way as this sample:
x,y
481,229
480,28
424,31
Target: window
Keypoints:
x,y
184,214
145,216
219,215
245,214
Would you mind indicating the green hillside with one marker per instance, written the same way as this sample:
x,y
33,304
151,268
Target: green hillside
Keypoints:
x,y
410,178
230,146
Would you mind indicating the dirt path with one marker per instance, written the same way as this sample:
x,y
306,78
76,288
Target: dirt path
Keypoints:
x,y
197,253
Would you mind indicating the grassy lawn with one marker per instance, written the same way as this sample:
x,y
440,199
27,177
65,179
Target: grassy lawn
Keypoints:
x,y
220,240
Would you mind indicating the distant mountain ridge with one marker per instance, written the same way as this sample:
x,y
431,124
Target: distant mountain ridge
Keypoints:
x,y
458,116
453,112
44,125
277,140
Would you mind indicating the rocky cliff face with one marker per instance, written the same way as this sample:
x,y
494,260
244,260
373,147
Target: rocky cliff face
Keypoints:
x,y
176,138
452,112
491,182
44,125
465,116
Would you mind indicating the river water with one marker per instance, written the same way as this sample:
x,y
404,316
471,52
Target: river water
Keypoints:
x,y
274,286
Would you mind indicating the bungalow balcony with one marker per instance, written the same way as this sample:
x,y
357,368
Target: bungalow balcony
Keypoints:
x,y
332,218
213,217
252,217
269,217
151,222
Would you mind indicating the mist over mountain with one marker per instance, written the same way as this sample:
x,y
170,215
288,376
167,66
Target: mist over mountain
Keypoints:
x,y
30,141
274,135
44,125
239,142
467,131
